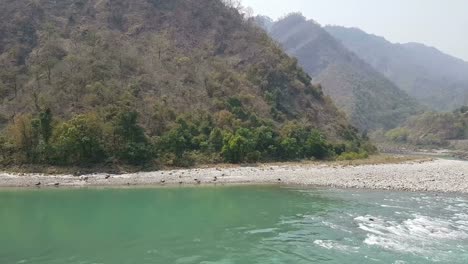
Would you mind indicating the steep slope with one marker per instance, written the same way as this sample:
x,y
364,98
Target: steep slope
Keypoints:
x,y
436,79
371,100
185,66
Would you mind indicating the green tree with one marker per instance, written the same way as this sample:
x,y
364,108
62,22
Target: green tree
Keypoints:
x,y
317,147
216,140
238,146
290,149
235,149
266,142
45,119
133,146
128,129
79,141
179,140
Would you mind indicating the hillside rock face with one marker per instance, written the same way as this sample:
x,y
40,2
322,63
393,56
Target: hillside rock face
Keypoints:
x,y
436,79
368,97
164,58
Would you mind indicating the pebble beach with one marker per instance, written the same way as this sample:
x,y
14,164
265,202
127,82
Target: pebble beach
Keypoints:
x,y
437,175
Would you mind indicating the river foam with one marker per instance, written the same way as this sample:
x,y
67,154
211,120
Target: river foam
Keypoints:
x,y
329,244
418,235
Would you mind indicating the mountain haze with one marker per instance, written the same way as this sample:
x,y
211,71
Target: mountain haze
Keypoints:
x,y
438,80
369,98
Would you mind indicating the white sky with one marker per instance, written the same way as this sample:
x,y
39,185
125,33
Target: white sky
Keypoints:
x,y
439,23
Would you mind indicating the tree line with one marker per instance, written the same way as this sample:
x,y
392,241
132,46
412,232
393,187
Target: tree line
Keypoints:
x,y
91,138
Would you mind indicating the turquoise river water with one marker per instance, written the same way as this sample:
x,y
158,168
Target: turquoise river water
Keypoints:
x,y
231,225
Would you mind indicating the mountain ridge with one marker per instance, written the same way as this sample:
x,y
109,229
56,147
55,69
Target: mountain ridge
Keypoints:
x,y
343,75
435,78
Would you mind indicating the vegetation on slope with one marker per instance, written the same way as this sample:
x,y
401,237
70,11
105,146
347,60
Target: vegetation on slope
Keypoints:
x,y
432,129
166,81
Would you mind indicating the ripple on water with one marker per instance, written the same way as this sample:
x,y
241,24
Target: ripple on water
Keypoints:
x,y
329,244
262,231
420,235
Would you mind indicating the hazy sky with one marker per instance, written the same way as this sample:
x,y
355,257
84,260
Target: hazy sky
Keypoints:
x,y
439,23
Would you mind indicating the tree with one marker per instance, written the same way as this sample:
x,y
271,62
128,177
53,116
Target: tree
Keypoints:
x,y
216,140
238,146
79,141
235,149
128,129
316,146
45,119
179,139
23,134
290,149
6,151
31,136
133,146
266,141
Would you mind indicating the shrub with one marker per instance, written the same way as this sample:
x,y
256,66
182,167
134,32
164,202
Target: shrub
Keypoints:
x,y
368,147
137,153
339,148
398,135
253,156
185,160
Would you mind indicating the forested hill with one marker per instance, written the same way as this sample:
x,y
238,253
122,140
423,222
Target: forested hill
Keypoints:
x,y
369,98
436,79
85,81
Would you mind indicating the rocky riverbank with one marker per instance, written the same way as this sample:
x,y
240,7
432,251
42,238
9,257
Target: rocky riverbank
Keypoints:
x,y
424,175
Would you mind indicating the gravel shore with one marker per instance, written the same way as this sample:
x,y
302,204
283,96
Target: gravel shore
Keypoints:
x,y
434,176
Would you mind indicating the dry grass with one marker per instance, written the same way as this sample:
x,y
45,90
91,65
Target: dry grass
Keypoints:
x,y
383,159
372,160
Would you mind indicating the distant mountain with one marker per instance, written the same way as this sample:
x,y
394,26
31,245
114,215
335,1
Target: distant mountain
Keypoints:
x,y
436,79
369,98
264,22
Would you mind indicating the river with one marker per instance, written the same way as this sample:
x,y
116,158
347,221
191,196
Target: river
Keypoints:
x,y
256,224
